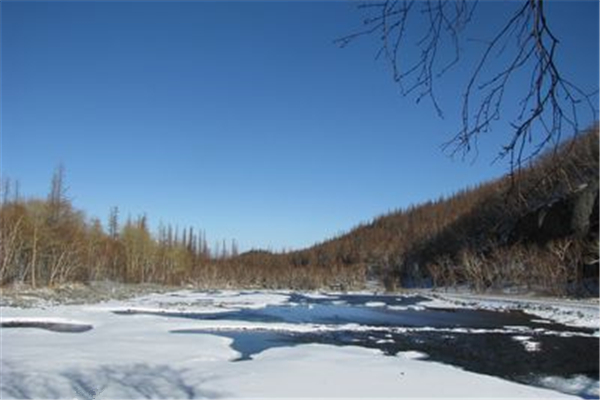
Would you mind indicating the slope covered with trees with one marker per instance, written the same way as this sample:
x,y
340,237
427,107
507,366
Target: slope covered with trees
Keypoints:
x,y
537,230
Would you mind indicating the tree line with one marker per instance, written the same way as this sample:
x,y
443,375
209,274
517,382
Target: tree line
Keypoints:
x,y
538,230
48,242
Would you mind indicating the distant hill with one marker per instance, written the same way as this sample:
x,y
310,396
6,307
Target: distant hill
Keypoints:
x,y
537,229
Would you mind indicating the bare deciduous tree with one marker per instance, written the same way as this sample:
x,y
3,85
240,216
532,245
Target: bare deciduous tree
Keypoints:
x,y
549,105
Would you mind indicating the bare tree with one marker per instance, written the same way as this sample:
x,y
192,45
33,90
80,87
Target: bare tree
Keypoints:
x,y
549,105
113,222
57,197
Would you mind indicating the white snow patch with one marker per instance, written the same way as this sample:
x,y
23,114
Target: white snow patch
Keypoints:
x,y
580,384
413,307
529,344
157,311
541,321
374,304
413,355
318,295
439,303
218,299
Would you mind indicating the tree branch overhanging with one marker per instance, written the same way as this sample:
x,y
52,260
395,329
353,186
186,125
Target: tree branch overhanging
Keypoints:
x,y
524,46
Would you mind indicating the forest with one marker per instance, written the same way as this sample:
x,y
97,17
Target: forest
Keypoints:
x,y
535,229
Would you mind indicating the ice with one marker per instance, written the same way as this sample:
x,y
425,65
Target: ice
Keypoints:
x,y
528,344
50,324
576,313
579,384
375,304
140,356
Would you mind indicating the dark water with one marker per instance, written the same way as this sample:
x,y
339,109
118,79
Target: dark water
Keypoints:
x,y
445,335
354,309
63,327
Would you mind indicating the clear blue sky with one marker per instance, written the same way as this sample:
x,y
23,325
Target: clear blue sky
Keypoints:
x,y
241,118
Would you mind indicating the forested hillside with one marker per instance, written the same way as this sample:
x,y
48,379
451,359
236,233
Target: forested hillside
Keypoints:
x,y
537,230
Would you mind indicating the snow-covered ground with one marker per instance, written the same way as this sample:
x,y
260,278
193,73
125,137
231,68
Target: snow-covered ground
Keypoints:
x,y
581,313
138,356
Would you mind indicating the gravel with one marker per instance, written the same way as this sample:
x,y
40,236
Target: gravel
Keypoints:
x,y
25,296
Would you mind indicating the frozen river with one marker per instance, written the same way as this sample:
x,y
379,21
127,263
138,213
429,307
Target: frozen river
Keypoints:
x,y
194,344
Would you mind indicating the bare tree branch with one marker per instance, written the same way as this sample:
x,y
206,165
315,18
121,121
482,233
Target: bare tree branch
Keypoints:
x,y
525,45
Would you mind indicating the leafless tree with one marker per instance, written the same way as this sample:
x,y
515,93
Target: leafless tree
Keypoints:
x,y
524,46
57,197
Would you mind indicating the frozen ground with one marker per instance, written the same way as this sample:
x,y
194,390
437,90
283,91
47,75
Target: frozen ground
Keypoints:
x,y
230,344
572,312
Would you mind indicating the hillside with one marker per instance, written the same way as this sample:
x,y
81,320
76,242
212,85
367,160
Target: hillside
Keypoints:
x,y
538,228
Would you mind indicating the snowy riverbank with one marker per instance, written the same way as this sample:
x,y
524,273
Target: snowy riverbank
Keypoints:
x,y
569,311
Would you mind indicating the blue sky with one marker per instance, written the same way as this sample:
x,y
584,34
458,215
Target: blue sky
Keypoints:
x,y
241,118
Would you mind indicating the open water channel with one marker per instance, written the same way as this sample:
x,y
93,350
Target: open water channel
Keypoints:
x,y
510,344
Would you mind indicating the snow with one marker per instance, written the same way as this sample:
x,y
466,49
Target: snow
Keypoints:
x,y
375,304
218,299
325,371
577,313
317,295
576,384
138,356
529,344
